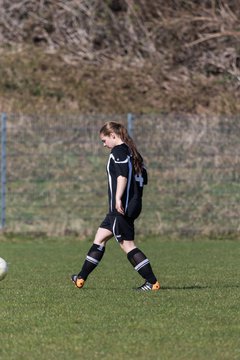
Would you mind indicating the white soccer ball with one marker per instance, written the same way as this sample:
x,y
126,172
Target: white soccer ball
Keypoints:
x,y
3,268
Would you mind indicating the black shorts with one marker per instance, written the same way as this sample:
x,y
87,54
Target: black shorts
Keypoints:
x,y
121,226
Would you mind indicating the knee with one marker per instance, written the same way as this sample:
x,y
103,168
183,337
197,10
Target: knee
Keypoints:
x,y
127,246
101,242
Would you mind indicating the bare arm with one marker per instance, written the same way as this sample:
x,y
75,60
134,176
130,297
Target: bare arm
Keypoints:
x,y
121,186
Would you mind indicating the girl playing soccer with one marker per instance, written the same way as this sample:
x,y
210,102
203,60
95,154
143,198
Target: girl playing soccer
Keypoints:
x,y
126,179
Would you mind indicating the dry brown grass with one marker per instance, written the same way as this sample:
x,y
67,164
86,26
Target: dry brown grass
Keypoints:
x,y
115,56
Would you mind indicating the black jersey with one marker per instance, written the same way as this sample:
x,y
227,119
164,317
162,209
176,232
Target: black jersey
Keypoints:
x,y
120,163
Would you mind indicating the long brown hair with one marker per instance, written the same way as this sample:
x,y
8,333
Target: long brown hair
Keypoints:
x,y
121,131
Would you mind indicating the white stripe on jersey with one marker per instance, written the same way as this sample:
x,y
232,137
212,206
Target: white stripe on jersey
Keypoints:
x,y
121,162
127,160
129,181
109,177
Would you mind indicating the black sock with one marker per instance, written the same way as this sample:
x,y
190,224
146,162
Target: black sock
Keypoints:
x,y
141,265
93,258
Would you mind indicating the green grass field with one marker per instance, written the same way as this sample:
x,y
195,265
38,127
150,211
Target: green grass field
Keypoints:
x,y
194,316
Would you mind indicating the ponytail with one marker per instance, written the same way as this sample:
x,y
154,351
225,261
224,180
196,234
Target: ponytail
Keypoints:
x,y
121,131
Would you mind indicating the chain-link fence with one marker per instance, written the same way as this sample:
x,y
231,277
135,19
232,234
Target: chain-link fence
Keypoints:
x,y
56,181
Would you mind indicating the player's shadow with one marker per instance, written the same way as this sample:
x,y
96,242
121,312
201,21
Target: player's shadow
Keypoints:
x,y
199,287
185,287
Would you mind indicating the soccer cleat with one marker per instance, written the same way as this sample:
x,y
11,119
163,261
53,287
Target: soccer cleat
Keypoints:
x,y
147,286
77,281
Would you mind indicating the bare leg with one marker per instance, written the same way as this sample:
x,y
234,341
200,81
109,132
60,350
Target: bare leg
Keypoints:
x,y
102,236
127,245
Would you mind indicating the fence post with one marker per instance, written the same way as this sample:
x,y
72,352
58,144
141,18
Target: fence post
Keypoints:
x,y
3,168
130,119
